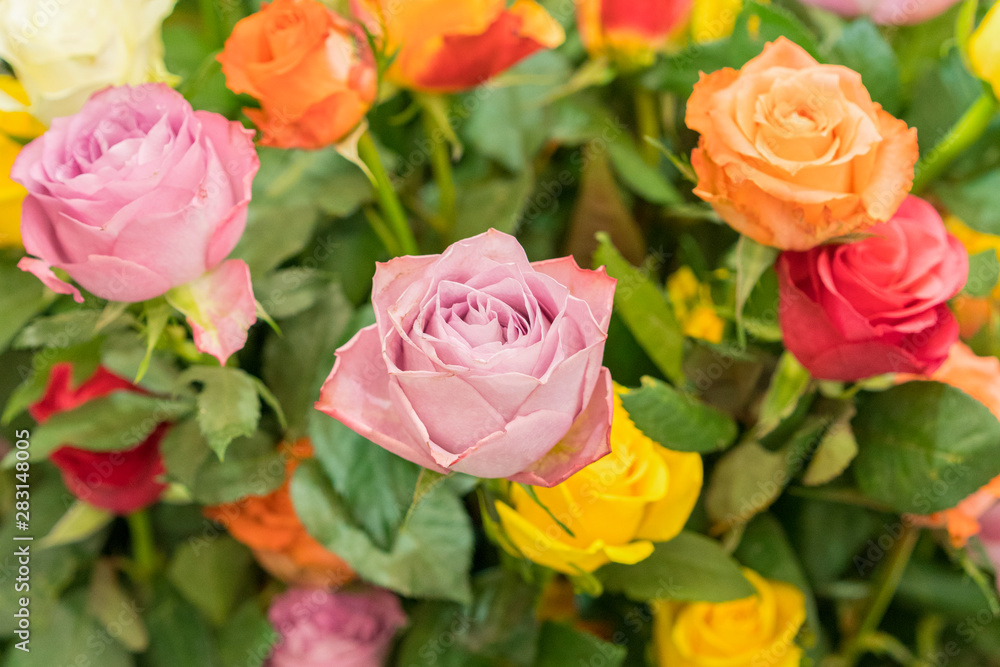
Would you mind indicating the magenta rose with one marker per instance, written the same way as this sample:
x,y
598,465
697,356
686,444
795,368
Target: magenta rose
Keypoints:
x,y
481,362
876,306
886,12
321,628
137,196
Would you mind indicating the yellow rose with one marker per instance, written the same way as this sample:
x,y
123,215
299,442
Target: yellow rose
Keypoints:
x,y
984,49
616,508
693,306
712,20
757,631
21,125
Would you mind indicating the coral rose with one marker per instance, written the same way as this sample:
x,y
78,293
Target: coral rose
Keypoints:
x,y
757,631
481,362
793,153
878,305
311,70
318,628
616,507
630,31
269,526
978,377
121,481
446,46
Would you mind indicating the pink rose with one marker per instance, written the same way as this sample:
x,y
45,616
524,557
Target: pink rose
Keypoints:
x,y
320,628
481,362
886,12
137,195
990,535
878,305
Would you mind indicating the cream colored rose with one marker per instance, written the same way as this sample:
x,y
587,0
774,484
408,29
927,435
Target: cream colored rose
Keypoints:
x,y
62,51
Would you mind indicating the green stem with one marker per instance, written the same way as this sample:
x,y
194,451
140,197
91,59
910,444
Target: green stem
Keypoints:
x,y
647,117
388,200
963,134
212,21
143,548
443,176
886,584
382,231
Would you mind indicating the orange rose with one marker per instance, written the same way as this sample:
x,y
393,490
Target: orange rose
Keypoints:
x,y
269,526
311,69
631,32
793,153
445,46
979,377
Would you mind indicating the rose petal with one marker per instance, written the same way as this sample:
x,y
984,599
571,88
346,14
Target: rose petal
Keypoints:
x,y
43,272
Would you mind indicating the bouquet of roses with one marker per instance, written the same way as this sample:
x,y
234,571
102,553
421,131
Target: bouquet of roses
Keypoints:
x,y
485,333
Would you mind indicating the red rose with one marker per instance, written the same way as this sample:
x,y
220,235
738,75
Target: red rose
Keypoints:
x,y
121,481
876,306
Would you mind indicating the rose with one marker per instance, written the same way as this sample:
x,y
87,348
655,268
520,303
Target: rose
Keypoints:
x,y
757,631
121,481
61,64
878,305
886,12
312,71
482,363
271,528
616,507
983,57
320,628
990,536
793,153
138,195
631,32
14,126
446,46
979,377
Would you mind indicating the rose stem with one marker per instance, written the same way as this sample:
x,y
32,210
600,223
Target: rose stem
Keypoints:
x,y
647,117
143,550
886,584
963,134
441,166
387,197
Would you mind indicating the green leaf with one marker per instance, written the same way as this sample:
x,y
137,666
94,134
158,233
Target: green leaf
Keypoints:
x,y
117,421
492,203
835,452
426,482
247,637
429,557
643,179
975,200
759,24
984,272
157,314
178,633
228,404
79,522
63,330
560,645
924,446
678,421
117,611
752,260
599,207
862,48
21,298
253,466
788,384
212,574
750,477
646,311
688,568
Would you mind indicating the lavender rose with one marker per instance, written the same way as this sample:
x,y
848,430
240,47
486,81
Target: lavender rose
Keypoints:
x,y
483,363
320,628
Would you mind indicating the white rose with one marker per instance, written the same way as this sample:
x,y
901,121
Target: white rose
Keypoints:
x,y
62,51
